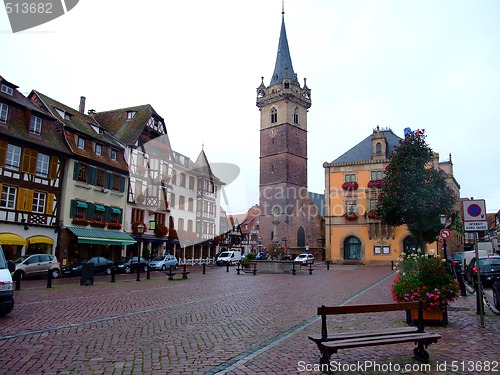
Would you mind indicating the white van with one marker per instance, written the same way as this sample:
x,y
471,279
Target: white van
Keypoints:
x,y
468,255
229,257
6,286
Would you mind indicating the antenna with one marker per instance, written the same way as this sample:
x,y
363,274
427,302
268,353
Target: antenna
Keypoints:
x,y
282,6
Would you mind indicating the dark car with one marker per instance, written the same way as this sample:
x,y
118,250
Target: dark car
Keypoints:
x,y
489,268
100,265
454,263
129,264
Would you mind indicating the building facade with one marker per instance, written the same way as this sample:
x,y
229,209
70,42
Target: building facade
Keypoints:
x,y
353,232
284,202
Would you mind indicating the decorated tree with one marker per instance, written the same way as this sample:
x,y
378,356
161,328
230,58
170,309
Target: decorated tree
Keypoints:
x,y
413,192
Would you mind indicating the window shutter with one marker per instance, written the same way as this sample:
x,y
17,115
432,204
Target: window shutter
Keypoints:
x,y
75,171
28,200
49,209
107,213
54,162
29,160
20,199
92,176
3,153
90,211
109,177
122,184
72,207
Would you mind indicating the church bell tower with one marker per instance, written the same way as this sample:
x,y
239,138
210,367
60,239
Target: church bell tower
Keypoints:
x,y
283,109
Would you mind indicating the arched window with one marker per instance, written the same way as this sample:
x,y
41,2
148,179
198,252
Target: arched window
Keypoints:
x,y
296,116
378,148
180,225
182,202
274,115
172,200
410,246
352,248
301,237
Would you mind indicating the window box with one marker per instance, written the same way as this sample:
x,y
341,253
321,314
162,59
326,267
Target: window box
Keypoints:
x,y
80,221
375,184
114,226
97,224
351,216
350,185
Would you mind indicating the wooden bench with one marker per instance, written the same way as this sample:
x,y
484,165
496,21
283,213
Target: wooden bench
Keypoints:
x,y
171,273
331,343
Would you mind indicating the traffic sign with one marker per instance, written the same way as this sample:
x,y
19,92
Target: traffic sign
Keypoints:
x,y
445,233
474,226
474,210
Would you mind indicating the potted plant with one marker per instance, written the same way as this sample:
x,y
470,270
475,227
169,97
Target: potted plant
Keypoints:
x,y
135,225
351,185
421,277
113,225
80,221
372,214
161,230
97,224
350,216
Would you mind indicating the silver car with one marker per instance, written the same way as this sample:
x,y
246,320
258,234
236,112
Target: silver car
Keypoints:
x,y
37,265
163,262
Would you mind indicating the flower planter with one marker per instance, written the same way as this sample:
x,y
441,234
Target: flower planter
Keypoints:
x,y
431,317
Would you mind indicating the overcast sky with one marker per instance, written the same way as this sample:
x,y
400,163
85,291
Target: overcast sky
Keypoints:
x,y
432,65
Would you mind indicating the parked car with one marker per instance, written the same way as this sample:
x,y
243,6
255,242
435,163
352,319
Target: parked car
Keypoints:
x,y
229,257
37,265
100,264
454,263
262,255
489,268
129,264
162,262
496,294
305,258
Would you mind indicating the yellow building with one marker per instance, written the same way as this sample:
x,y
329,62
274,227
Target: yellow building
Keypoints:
x,y
353,232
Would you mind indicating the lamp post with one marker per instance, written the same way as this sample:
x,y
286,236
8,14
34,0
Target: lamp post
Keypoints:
x,y
444,219
140,231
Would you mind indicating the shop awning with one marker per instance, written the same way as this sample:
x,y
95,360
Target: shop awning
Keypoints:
x,y
99,207
101,236
81,204
40,239
11,239
116,210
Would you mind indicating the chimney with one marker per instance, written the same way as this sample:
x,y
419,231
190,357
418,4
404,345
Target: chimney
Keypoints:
x,y
82,104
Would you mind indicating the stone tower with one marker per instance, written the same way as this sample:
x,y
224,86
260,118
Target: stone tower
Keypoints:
x,y
283,109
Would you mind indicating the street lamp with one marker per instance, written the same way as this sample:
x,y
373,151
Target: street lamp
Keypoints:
x,y
444,219
140,231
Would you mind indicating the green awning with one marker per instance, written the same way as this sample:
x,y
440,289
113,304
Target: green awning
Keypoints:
x,y
81,204
101,236
98,207
116,210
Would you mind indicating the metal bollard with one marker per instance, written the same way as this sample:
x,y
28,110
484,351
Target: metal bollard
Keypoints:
x,y
148,273
113,272
17,277
460,279
227,267
328,265
49,279
293,268
238,269
204,268
138,271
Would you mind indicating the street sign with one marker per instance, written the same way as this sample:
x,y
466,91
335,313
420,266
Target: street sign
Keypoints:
x,y
445,233
474,212
474,226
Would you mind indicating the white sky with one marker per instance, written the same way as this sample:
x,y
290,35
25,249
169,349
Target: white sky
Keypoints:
x,y
423,64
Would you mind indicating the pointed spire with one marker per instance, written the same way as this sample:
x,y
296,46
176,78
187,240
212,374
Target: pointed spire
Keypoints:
x,y
283,67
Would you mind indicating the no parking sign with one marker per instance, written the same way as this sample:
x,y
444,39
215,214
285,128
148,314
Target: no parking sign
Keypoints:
x,y
474,215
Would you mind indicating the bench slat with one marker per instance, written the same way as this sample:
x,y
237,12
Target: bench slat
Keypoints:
x,y
373,341
353,309
354,334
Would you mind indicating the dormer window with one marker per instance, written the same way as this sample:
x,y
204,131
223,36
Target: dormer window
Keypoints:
x,y
113,155
98,149
131,114
81,143
35,125
7,90
95,128
67,116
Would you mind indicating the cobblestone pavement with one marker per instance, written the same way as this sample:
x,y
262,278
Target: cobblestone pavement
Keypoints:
x,y
223,323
